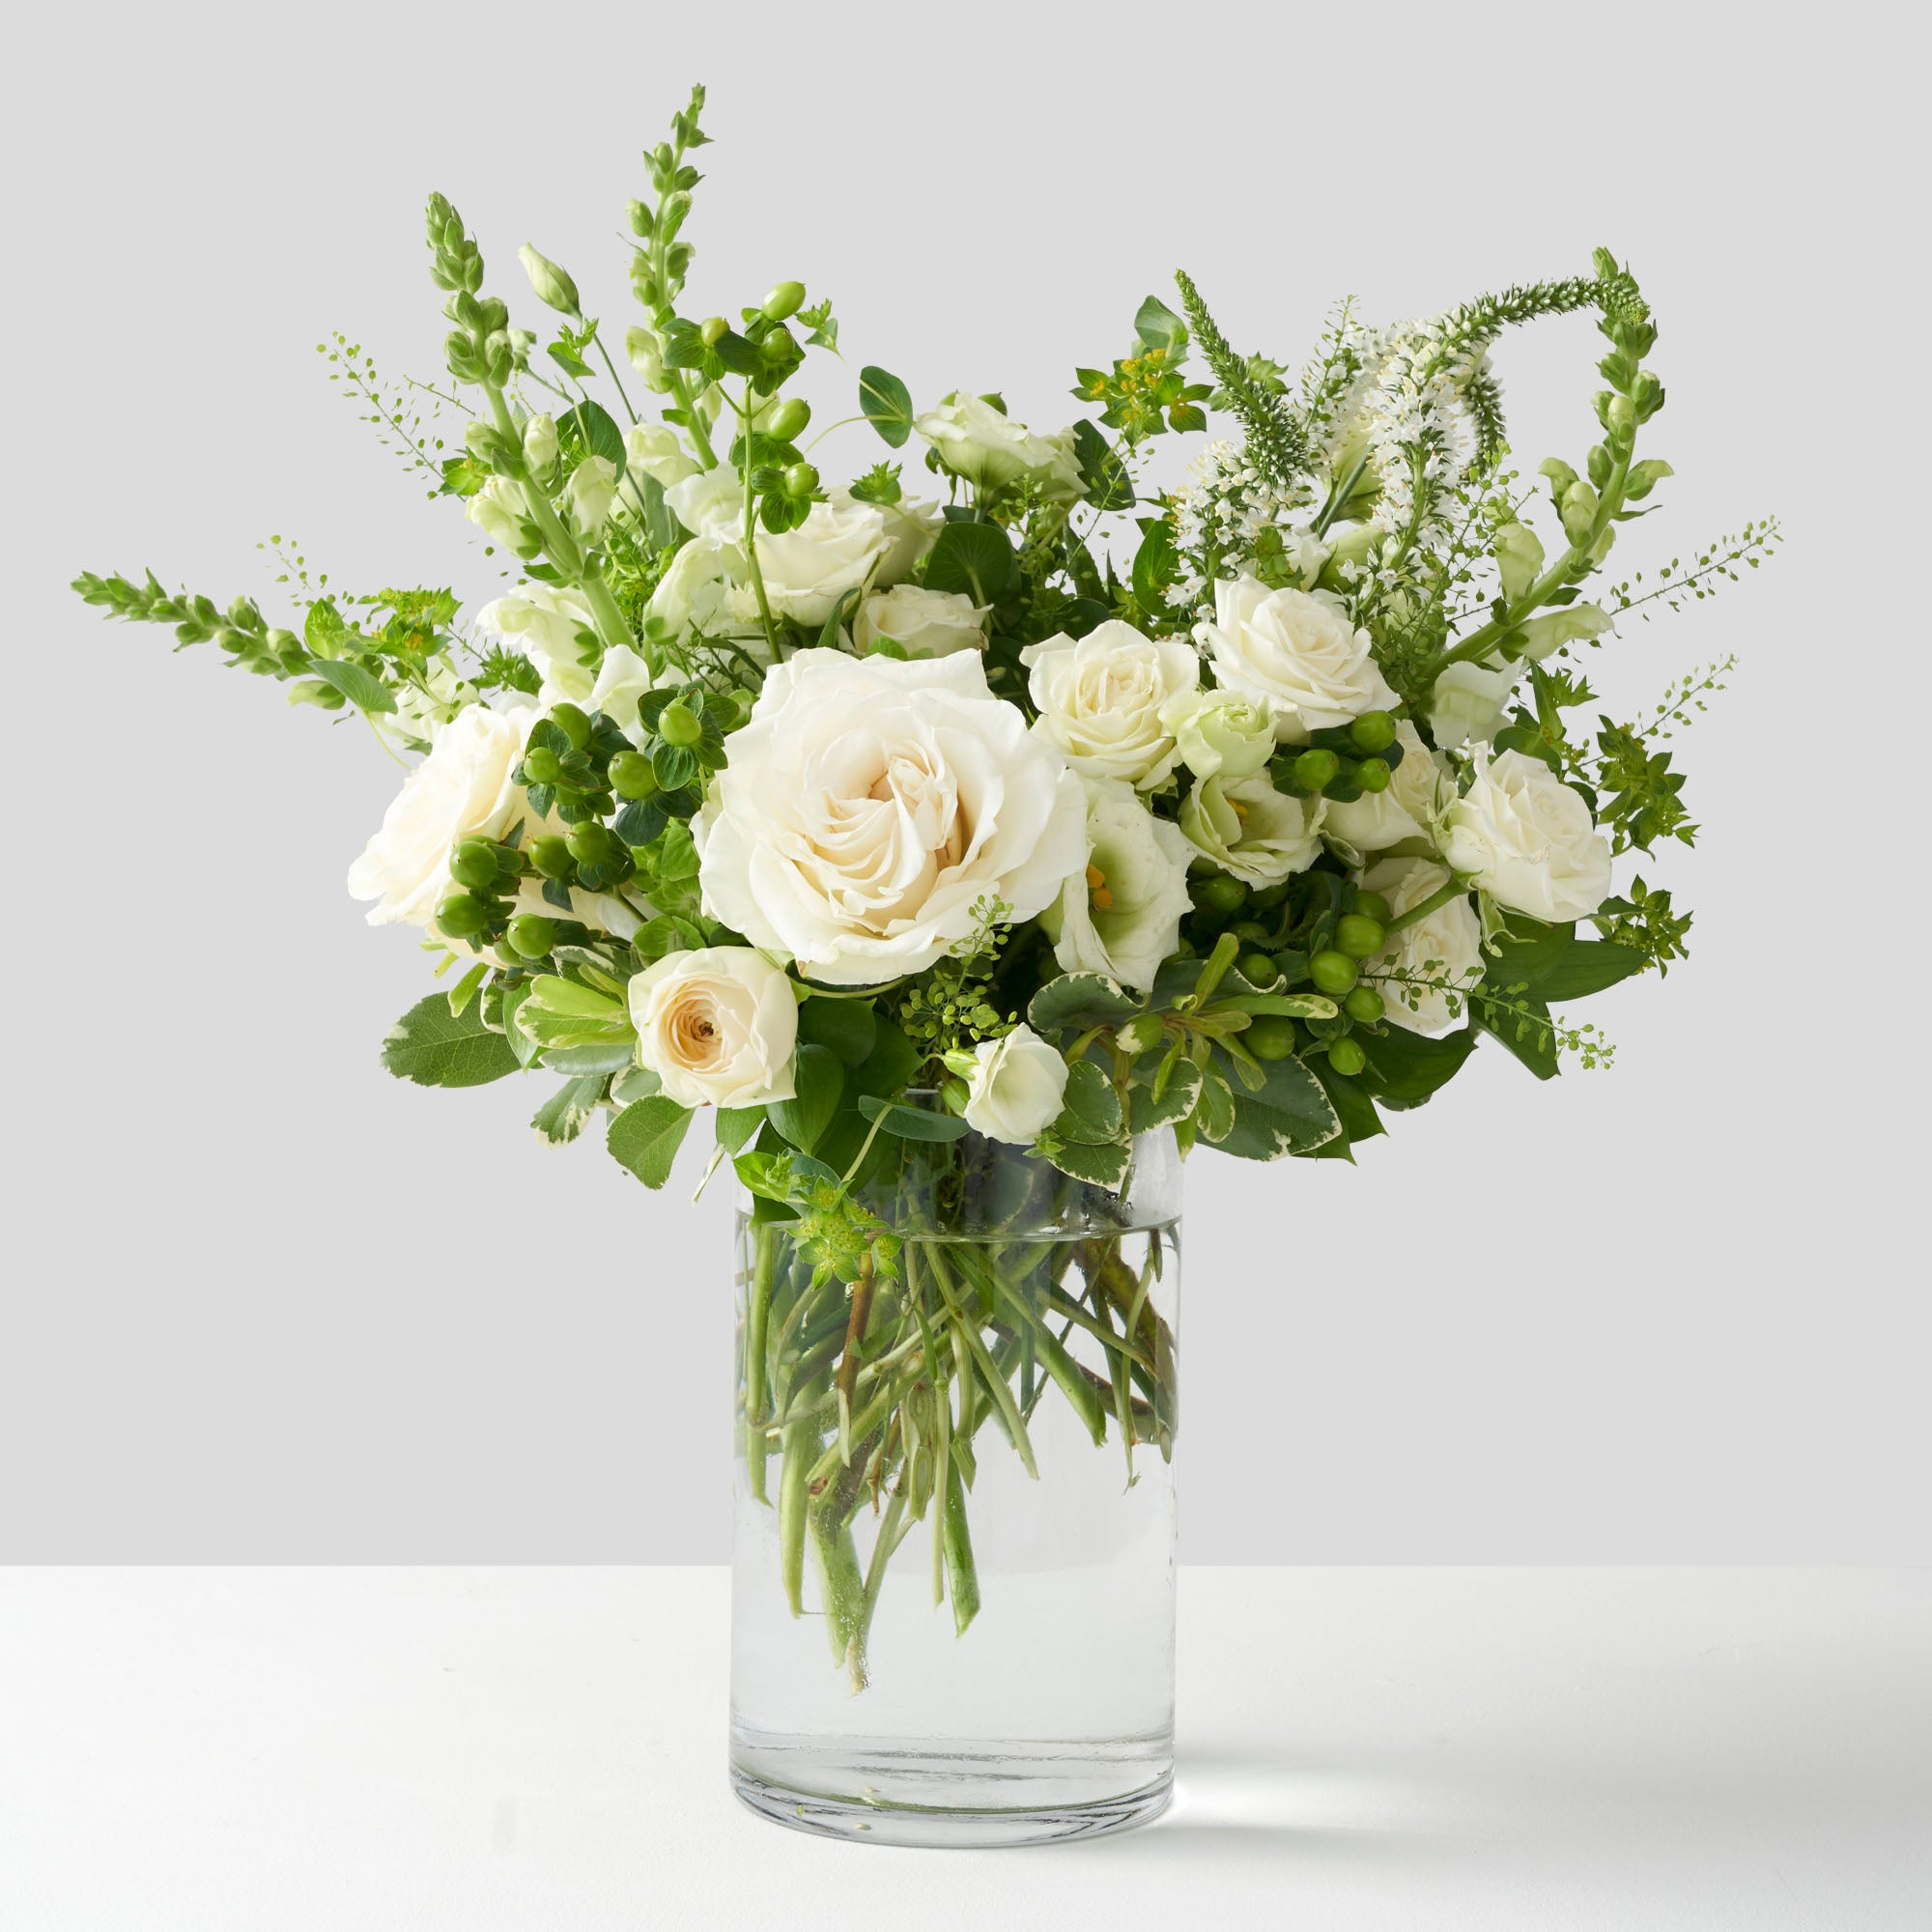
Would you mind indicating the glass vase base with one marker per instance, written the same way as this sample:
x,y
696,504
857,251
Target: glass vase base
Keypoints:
x,y
885,1792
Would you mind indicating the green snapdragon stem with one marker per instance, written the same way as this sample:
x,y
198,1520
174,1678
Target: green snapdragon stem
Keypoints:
x,y
757,1331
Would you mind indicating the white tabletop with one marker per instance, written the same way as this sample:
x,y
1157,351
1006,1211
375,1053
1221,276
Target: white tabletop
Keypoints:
x,y
475,1750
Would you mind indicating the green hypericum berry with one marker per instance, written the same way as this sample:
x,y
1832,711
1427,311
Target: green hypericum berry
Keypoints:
x,y
1257,968
1219,894
475,865
713,329
678,724
573,722
1372,775
1346,1055
462,916
1363,1005
787,299
531,935
801,479
785,422
631,775
1334,973
1316,769
1250,929
1372,906
1359,936
1373,731
551,855
590,844
541,766
1269,1036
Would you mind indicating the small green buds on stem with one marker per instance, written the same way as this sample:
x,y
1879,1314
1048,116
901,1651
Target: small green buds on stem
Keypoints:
x,y
551,855
462,916
713,329
1219,895
593,845
786,299
1346,1055
475,865
1269,1036
1372,775
1372,905
542,766
1316,769
1373,731
1358,936
1364,1005
1257,969
573,721
552,284
801,479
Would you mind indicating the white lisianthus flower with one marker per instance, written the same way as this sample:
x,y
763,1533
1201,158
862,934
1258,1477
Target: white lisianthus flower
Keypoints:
x,y
871,803
1469,702
912,527
1527,839
717,1026
710,504
499,511
1100,697
926,623
588,495
1440,953
980,443
837,549
1295,653
1120,913
1246,827
1219,734
656,450
1016,1088
1418,791
461,790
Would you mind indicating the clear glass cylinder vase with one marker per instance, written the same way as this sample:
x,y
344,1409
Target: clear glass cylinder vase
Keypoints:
x,y
953,1562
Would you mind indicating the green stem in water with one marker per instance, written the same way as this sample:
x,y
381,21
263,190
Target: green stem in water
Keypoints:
x,y
962,1577
758,1332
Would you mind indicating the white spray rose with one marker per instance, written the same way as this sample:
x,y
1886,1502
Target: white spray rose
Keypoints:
x,y
837,549
1120,913
1527,839
1100,699
655,449
1469,702
926,623
461,790
717,1026
588,495
1016,1088
1297,654
868,806
1220,734
1440,952
1418,791
1246,827
977,441
912,527
499,511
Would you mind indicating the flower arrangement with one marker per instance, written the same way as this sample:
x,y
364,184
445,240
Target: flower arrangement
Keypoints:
x,y
997,800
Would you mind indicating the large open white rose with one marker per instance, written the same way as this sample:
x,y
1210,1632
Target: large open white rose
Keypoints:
x,y
871,803
1299,655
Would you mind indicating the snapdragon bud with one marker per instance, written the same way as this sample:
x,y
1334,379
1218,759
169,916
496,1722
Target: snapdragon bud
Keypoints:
x,y
646,356
552,284
1579,512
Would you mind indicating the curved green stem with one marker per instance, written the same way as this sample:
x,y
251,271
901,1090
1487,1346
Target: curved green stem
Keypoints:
x,y
1440,896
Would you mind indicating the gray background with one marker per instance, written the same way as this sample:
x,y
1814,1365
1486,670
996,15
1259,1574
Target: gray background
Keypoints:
x,y
264,1303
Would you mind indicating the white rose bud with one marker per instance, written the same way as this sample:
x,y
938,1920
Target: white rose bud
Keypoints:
x,y
977,441
1016,1088
1120,913
1100,696
1469,702
1247,828
924,623
1220,734
717,1026
1425,963
588,495
1527,839
1297,654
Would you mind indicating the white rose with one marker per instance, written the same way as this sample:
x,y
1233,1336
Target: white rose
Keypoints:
x,y
927,623
978,443
1440,951
871,803
717,1026
1246,827
588,495
1417,792
837,549
1469,702
1016,1088
1527,839
1220,734
1295,653
654,450
461,790
1120,913
912,527
1100,697
498,510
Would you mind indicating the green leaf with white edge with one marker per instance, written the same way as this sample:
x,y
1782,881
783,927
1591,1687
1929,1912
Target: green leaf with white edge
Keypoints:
x,y
364,691
598,1057
1177,1101
1289,1112
562,1117
973,561
522,1042
437,1048
645,1138
886,402
1103,1163
565,996
1080,1000
1092,1102
634,1083
1296,1006
820,1079
1214,1107
911,1124
737,1124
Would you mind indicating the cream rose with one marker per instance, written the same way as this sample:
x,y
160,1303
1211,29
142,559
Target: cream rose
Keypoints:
x,y
1297,654
1016,1088
717,1026
1247,828
1438,953
1100,697
871,803
461,790
926,623
1219,734
978,443
1120,913
1527,839
1418,789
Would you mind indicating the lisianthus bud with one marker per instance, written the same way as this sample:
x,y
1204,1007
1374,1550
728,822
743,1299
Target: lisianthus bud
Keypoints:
x,y
550,283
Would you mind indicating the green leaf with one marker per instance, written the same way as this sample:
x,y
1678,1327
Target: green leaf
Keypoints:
x,y
976,561
1526,952
1296,1006
1350,1101
893,1061
565,996
598,1057
1156,566
820,1079
1092,1102
1080,1000
590,428
911,1124
645,1138
437,1048
848,1027
1404,1068
522,1042
886,402
1289,1113
634,1083
1103,1163
1588,967
1532,1040
1158,326
1105,476
562,1117
365,692
737,1124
